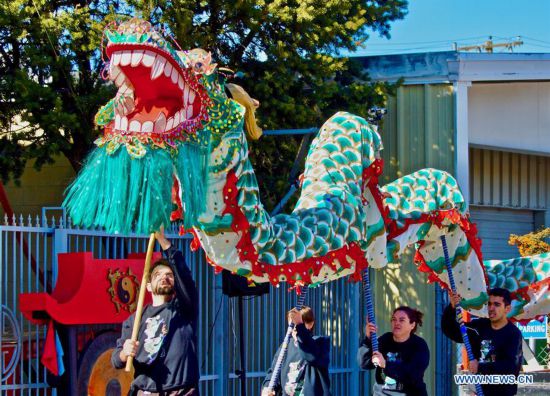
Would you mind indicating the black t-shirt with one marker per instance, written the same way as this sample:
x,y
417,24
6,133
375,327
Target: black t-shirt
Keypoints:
x,y
167,353
498,351
406,362
305,369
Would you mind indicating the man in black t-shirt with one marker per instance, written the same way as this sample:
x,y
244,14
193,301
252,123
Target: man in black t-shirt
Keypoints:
x,y
496,342
165,357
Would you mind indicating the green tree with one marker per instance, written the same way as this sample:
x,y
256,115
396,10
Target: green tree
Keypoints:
x,y
51,86
287,50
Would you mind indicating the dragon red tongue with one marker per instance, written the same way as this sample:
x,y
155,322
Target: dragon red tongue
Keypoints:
x,y
161,99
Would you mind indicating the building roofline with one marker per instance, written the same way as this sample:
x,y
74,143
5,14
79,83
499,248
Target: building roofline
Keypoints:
x,y
452,66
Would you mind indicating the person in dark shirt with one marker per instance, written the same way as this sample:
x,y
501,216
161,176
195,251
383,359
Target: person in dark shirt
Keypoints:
x,y
305,369
402,359
496,342
165,357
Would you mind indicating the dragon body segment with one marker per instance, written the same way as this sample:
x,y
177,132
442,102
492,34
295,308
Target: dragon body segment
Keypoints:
x,y
173,135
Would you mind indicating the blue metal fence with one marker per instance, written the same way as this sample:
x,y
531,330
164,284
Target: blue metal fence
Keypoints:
x,y
28,251
27,265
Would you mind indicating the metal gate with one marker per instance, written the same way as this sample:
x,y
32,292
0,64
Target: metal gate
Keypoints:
x,y
27,265
28,251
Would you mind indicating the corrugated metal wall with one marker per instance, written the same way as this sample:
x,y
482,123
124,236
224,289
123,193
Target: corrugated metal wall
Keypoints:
x,y
511,180
494,227
418,132
508,193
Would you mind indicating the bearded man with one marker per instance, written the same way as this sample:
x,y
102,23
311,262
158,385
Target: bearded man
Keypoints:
x,y
165,358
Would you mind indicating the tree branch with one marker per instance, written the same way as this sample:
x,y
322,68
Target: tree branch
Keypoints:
x,y
237,57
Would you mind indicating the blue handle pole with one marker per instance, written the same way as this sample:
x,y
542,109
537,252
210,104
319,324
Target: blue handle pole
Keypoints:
x,y
282,354
367,297
459,309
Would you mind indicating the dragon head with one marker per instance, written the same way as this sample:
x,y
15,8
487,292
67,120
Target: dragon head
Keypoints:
x,y
168,99
164,95
159,98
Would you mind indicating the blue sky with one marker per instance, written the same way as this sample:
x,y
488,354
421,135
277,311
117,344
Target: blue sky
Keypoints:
x,y
433,25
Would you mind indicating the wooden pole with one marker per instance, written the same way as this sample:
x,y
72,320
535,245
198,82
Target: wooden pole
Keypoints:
x,y
141,298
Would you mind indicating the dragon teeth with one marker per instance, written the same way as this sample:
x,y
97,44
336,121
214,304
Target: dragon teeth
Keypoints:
x,y
148,58
170,124
116,58
147,126
158,67
114,71
125,58
191,97
160,123
129,105
186,94
120,79
174,76
136,57
168,69
189,112
124,123
135,126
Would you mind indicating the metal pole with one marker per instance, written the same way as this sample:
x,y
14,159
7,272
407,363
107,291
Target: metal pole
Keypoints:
x,y
370,308
242,372
73,357
284,347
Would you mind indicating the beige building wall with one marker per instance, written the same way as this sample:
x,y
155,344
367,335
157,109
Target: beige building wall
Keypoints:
x,y
510,116
39,188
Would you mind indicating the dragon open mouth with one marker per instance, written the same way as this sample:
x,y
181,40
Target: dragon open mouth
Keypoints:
x,y
155,94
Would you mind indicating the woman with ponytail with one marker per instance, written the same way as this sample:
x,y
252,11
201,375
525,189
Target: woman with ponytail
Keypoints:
x,y
402,358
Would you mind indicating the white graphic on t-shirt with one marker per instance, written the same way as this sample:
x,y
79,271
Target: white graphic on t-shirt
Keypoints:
x,y
294,384
393,357
389,382
154,338
487,351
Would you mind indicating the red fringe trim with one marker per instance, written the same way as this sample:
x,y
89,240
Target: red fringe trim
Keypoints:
x,y
437,218
423,267
370,181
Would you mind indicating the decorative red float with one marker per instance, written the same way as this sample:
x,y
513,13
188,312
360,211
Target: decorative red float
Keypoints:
x,y
88,291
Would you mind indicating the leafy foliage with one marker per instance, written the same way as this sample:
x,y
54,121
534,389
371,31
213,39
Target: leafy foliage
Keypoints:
x,y
51,85
531,243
